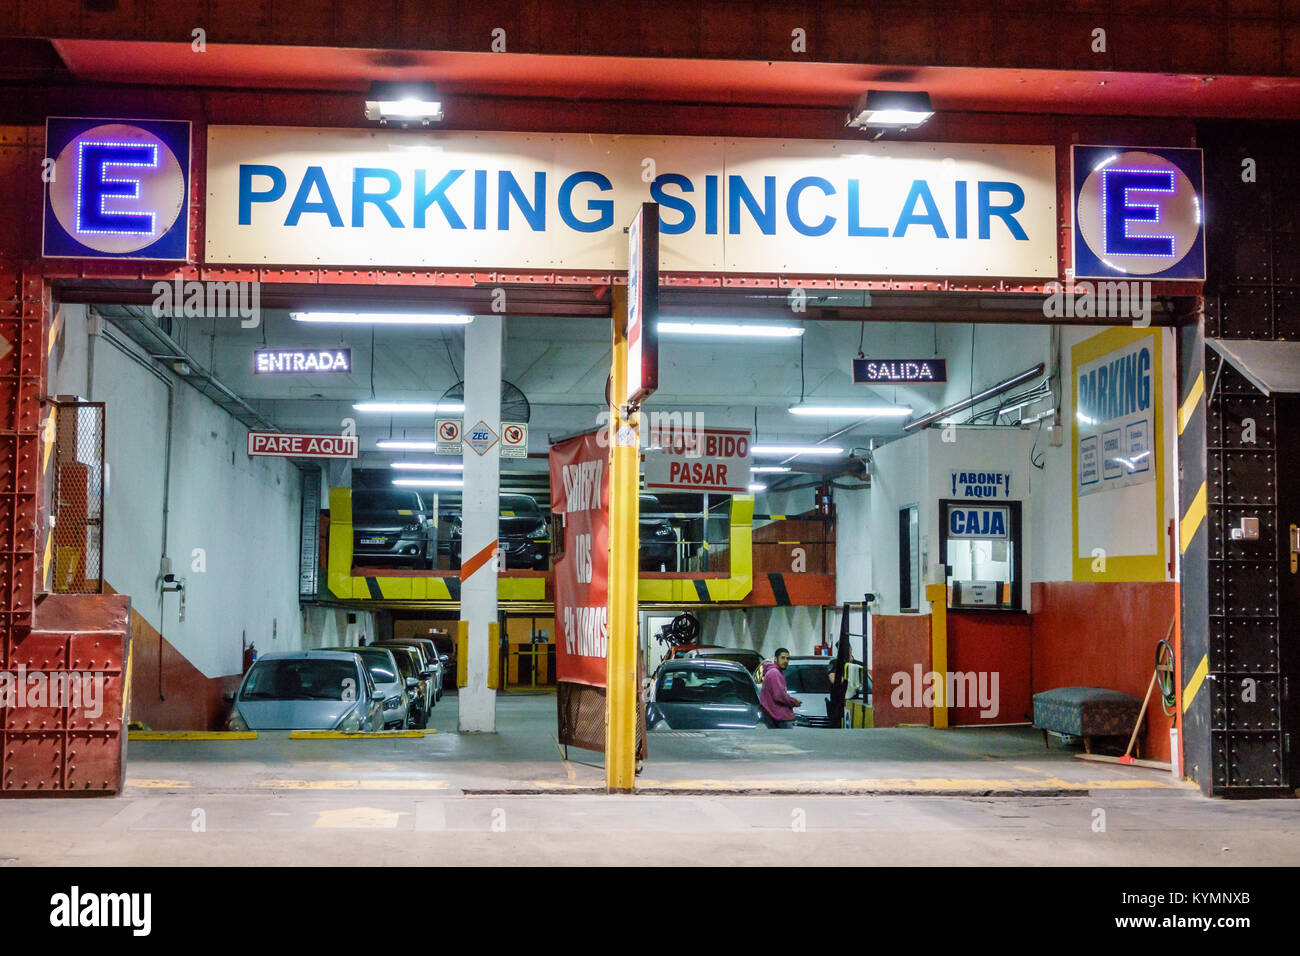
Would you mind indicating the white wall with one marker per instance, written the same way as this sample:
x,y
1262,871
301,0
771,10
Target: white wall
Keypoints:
x,y
233,521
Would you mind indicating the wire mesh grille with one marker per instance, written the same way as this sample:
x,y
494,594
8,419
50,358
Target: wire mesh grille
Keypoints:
x,y
581,710
79,477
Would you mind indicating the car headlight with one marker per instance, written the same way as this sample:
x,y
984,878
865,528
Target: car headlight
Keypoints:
x,y
664,531
236,722
410,528
392,703
349,722
541,531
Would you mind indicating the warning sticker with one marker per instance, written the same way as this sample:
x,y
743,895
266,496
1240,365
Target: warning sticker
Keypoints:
x,y
481,437
448,430
514,440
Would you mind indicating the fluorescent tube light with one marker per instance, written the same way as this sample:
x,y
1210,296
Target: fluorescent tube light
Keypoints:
x,y
731,330
381,318
427,465
402,408
429,482
823,450
852,411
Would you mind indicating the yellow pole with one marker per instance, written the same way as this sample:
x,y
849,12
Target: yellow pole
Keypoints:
x,y
624,544
937,595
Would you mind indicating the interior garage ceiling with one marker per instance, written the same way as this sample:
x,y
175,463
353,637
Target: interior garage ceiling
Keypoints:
x,y
561,365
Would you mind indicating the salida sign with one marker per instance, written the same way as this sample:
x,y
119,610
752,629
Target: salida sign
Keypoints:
x,y
703,459
285,445
580,495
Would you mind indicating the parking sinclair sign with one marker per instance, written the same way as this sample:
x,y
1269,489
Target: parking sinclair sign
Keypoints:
x,y
356,197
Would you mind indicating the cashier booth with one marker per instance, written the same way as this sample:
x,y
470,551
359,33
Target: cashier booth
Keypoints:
x,y
981,547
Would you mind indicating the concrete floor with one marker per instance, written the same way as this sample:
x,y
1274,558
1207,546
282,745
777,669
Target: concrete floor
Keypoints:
x,y
894,796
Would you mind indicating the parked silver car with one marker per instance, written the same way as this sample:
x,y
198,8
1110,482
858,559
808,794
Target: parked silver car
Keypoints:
x,y
308,690
394,690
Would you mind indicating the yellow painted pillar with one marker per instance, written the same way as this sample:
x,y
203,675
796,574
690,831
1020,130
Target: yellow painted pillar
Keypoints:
x,y
624,544
937,595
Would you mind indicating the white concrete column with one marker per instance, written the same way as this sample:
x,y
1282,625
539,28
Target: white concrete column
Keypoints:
x,y
479,524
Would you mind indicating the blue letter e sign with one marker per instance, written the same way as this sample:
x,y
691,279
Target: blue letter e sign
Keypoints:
x,y
1138,213
117,189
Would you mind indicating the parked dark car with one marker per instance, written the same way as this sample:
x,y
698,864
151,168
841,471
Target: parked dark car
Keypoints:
x,y
391,525
435,666
702,694
523,535
411,664
658,539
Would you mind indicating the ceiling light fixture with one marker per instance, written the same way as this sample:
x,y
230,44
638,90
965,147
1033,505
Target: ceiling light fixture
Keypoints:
x,y
427,465
428,483
403,444
769,469
731,330
403,104
852,411
822,450
756,487
381,318
403,408
890,109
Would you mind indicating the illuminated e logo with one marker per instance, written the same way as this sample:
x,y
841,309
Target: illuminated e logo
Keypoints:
x,y
95,187
119,189
1137,213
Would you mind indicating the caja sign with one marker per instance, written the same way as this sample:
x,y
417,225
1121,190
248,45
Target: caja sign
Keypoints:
x,y
1138,213
117,189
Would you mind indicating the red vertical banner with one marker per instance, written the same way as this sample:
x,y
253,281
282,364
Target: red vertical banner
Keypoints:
x,y
580,497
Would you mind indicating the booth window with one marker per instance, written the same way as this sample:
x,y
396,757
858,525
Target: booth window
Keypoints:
x,y
980,544
909,559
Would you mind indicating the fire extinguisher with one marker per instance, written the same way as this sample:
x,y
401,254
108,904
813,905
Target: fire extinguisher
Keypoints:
x,y
250,655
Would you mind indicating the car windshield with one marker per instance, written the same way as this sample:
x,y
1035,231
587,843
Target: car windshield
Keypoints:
x,y
301,679
700,686
379,665
519,506
808,678
745,660
385,501
404,666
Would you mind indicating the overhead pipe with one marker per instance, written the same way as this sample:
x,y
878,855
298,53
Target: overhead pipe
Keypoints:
x,y
1003,386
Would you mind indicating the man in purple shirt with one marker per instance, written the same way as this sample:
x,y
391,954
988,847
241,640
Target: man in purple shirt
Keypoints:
x,y
776,700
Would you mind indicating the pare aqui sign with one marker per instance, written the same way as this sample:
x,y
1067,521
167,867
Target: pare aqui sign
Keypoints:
x,y
977,522
287,445
701,460
1138,212
981,484
116,189
899,371
288,361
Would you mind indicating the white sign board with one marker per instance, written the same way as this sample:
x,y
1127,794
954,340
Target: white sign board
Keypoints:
x,y
447,431
514,440
1114,421
358,197
700,460
980,484
287,445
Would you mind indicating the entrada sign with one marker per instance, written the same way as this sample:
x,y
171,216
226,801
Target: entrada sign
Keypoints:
x,y
336,197
899,371
281,361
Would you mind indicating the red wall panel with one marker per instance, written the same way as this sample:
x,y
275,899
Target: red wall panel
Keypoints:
x,y
991,643
898,643
1103,634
